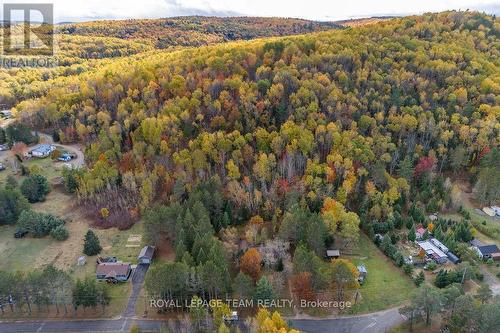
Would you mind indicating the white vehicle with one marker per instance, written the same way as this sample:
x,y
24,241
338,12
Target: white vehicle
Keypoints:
x,y
232,317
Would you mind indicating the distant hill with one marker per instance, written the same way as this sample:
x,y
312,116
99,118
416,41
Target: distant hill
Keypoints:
x,y
196,30
363,21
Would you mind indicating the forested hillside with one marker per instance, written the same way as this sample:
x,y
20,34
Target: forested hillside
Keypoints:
x,y
337,114
83,47
196,30
249,159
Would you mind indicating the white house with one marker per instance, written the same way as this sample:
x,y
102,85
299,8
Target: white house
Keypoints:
x,y
43,150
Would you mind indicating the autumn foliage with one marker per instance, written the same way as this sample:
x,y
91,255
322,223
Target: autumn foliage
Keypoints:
x,y
250,263
302,286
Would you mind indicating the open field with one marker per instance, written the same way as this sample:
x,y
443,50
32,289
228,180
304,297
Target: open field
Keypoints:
x,y
29,253
45,166
386,285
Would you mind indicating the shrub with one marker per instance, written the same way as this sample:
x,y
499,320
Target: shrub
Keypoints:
x,y
431,266
419,279
71,179
59,233
408,269
35,188
38,224
12,203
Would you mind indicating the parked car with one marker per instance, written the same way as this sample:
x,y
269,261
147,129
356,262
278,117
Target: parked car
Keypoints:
x,y
64,158
232,317
2,167
4,147
20,233
101,260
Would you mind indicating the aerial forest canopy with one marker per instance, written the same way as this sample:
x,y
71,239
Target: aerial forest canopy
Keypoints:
x,y
357,116
86,46
195,30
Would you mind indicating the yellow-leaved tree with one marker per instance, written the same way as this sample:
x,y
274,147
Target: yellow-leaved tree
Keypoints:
x,y
271,323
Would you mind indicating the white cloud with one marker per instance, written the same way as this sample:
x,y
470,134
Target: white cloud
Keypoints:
x,y
78,10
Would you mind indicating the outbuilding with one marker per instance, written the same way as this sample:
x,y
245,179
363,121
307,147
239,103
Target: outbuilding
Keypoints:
x,y
453,258
146,254
488,252
332,254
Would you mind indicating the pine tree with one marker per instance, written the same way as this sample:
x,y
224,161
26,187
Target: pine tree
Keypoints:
x,y
411,234
91,246
438,233
442,279
264,290
419,279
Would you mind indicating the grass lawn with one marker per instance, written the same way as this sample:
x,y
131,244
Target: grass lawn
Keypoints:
x,y
490,226
419,327
385,286
29,253
46,167
19,254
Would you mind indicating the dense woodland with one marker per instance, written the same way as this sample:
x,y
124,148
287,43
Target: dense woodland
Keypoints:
x,y
338,114
195,30
296,142
83,47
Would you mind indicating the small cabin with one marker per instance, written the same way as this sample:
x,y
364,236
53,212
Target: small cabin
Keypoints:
x,y
332,254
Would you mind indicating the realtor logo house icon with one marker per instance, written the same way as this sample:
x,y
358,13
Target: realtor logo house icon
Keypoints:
x,y
28,29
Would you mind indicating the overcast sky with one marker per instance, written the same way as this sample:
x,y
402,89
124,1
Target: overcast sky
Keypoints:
x,y
84,10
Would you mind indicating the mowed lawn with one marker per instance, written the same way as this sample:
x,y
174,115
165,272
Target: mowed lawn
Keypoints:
x,y
19,254
385,286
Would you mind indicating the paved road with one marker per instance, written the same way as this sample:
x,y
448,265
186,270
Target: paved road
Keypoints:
x,y
137,281
116,325
371,323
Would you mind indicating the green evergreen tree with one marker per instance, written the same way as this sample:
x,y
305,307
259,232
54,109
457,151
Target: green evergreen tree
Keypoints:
x,y
264,290
411,234
419,279
35,188
12,204
91,246
11,182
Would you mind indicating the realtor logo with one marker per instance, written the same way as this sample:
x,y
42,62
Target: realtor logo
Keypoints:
x,y
28,29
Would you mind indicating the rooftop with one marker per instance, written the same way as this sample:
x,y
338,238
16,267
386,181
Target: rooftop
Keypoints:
x,y
488,249
332,253
113,269
44,148
430,248
147,252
